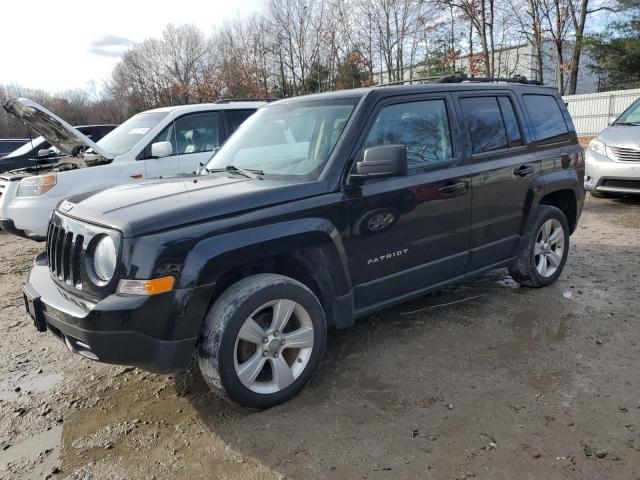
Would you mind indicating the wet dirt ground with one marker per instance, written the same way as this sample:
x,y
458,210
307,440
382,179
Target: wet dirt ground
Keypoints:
x,y
484,380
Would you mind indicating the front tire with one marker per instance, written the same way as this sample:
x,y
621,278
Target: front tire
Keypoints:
x,y
543,249
262,340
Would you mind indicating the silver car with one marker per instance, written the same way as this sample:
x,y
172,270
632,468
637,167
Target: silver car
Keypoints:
x,y
613,157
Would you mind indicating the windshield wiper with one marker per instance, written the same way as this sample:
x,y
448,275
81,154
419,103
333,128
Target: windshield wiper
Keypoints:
x,y
247,172
635,124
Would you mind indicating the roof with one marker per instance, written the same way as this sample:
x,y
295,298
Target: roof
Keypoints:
x,y
388,90
209,106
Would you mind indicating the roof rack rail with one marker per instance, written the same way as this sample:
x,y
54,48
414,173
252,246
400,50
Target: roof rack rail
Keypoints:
x,y
462,77
230,100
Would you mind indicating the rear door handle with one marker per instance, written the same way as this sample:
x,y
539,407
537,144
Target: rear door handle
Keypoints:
x,y
453,188
524,170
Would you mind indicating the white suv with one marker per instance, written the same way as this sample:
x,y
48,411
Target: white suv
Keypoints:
x,y
156,143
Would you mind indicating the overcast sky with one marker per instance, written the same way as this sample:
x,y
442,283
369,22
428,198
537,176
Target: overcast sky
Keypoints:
x,y
60,45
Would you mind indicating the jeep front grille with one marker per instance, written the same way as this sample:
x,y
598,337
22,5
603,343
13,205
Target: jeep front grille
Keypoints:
x,y
626,154
64,249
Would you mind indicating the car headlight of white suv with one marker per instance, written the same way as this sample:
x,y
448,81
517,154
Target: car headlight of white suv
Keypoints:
x,y
36,186
598,146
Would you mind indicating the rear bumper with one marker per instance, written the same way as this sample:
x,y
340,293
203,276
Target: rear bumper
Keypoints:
x,y
606,175
105,331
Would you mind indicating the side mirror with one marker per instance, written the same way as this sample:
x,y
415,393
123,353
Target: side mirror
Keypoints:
x,y
161,149
46,152
381,162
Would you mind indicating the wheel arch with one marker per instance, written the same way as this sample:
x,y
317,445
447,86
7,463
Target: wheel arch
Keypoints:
x,y
309,251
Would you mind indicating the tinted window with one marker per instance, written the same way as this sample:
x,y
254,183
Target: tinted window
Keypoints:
x,y
484,120
546,116
423,127
511,122
235,118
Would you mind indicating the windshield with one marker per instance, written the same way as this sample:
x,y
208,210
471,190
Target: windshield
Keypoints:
x,y
27,147
630,115
287,140
121,139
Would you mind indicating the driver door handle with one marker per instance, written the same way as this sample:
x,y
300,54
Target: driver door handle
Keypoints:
x,y
524,170
451,188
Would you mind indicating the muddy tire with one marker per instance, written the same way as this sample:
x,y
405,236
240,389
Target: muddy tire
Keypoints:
x,y
262,340
543,248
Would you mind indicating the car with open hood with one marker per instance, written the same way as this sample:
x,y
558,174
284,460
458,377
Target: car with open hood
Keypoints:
x,y
40,152
156,143
318,210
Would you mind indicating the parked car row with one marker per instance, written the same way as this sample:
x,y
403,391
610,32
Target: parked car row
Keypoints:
x,y
316,211
162,142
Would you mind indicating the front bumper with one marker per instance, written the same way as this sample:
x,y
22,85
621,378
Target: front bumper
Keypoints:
x,y
26,217
603,174
108,331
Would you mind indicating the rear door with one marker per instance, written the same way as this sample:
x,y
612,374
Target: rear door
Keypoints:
x,y
503,168
411,232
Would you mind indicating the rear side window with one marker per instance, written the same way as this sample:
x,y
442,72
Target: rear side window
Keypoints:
x,y
235,118
546,116
486,125
510,121
423,127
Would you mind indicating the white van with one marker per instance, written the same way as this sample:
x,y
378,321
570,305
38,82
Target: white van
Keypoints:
x,y
156,143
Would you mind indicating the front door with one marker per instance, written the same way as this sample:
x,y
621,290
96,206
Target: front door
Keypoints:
x,y
193,138
411,232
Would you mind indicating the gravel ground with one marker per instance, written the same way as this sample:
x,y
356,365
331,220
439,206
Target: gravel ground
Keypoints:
x,y
484,380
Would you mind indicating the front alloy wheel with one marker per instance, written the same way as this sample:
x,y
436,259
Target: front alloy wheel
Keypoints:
x,y
273,346
262,340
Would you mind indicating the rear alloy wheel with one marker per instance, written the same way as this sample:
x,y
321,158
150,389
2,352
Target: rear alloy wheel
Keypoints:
x,y
543,248
262,340
549,248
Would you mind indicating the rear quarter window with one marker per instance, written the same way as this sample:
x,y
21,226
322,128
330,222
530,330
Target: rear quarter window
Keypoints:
x,y
547,119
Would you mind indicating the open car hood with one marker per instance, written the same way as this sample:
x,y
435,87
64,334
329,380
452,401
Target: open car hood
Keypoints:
x,y
50,126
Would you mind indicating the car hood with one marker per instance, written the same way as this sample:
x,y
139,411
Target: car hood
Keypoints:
x,y
146,207
50,126
625,136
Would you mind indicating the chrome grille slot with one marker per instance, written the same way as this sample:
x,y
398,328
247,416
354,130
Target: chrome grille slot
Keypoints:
x,y
76,280
67,243
64,249
626,154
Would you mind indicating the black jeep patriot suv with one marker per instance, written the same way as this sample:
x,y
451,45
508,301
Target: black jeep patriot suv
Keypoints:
x,y
318,210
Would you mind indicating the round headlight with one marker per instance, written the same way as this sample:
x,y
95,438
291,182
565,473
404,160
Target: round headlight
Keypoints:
x,y
104,259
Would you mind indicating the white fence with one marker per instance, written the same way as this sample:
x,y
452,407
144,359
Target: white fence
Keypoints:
x,y
591,112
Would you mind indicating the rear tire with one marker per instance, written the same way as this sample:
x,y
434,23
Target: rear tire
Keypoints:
x,y
262,340
543,248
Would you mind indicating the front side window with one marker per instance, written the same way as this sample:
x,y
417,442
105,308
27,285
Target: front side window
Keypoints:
x,y
196,133
422,126
485,123
287,140
631,116
123,138
544,111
